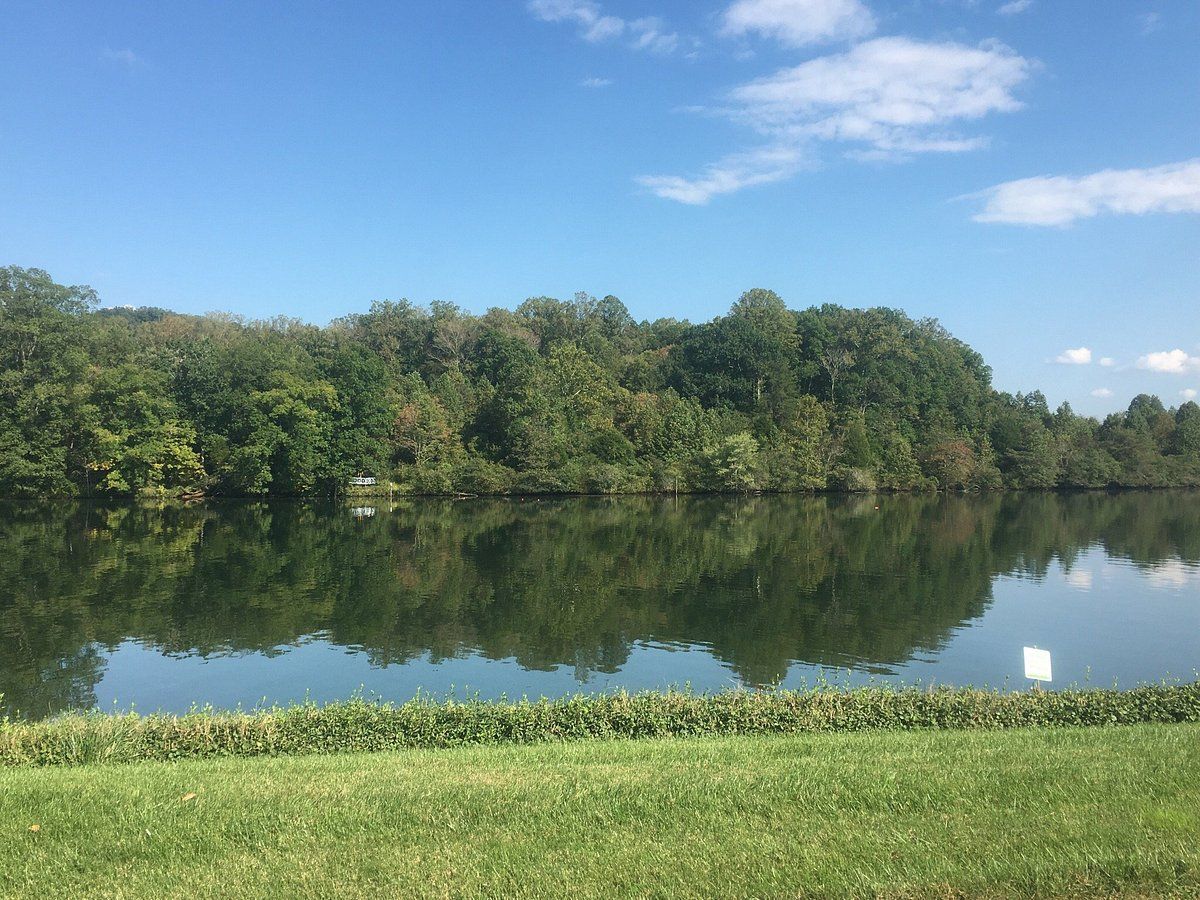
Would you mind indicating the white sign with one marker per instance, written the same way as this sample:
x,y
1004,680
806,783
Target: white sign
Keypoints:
x,y
1037,664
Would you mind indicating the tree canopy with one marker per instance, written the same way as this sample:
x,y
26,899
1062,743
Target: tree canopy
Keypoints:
x,y
554,396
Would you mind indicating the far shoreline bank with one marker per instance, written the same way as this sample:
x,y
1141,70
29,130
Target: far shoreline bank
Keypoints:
x,y
1115,490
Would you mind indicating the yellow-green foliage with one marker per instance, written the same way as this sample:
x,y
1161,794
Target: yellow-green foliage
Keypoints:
x,y
80,738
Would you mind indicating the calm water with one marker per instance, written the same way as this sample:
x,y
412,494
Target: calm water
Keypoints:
x,y
239,602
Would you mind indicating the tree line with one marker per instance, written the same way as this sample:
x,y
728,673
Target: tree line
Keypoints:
x,y
552,397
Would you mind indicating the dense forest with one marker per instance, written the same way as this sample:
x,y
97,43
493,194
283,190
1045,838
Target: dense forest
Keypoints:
x,y
552,397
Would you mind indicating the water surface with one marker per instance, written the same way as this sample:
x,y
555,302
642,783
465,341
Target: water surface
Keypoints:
x,y
237,602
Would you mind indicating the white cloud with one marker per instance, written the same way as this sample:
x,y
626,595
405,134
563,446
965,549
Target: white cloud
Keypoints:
x,y
1079,356
1014,7
595,26
126,58
799,22
595,82
1061,200
1189,393
1107,361
1101,392
734,172
1150,22
650,34
892,94
890,97
1173,362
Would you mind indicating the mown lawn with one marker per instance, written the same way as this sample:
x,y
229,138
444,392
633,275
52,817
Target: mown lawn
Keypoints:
x,y
1031,812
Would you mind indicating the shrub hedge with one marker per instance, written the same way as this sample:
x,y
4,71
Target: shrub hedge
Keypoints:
x,y
359,725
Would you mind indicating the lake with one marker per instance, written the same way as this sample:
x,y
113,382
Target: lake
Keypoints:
x,y
244,602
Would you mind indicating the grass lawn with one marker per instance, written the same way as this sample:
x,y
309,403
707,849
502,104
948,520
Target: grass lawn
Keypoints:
x,y
1032,812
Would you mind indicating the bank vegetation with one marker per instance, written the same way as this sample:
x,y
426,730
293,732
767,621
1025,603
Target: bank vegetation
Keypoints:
x,y
553,396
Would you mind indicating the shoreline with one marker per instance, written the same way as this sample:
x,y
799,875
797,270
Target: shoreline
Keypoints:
x,y
82,738
565,495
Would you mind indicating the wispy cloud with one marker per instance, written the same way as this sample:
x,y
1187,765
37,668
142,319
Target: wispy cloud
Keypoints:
x,y
595,82
893,94
1107,361
798,23
126,57
1079,356
887,98
1150,22
651,33
1102,392
1062,200
1014,7
1173,362
595,26
1189,393
732,173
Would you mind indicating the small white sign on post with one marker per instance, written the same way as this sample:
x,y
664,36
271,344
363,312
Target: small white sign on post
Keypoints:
x,y
1037,664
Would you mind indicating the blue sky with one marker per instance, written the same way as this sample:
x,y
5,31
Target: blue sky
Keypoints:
x,y
1027,172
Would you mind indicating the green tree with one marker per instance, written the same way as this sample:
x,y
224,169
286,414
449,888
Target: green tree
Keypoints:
x,y
43,395
555,395
731,464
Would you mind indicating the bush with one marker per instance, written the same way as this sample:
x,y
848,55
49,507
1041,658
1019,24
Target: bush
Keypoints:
x,y
80,738
476,475
608,478
546,481
430,479
855,480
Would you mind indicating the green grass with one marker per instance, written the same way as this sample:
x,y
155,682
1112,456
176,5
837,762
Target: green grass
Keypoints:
x,y
1021,812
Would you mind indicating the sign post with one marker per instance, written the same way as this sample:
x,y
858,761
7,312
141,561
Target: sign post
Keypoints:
x,y
1037,666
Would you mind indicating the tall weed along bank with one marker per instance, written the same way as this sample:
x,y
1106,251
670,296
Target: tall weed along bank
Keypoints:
x,y
90,737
